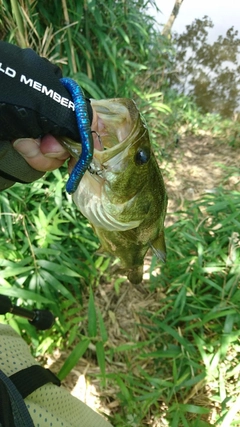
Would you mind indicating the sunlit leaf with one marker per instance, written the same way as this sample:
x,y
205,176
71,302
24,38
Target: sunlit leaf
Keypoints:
x,y
92,317
73,358
101,359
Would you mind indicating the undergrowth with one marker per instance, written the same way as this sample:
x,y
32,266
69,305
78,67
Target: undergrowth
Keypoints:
x,y
46,249
187,372
181,116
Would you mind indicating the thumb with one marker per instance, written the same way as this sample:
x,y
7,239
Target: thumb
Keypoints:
x,y
30,150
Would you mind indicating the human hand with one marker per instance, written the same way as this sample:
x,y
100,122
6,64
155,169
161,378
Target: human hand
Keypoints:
x,y
47,154
33,103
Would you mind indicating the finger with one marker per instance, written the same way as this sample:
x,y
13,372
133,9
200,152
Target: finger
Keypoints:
x,y
50,147
30,149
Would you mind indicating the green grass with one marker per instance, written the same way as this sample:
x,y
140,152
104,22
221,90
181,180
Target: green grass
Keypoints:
x,y
43,254
189,364
185,373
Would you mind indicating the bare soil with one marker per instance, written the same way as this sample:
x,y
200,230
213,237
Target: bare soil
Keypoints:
x,y
198,165
195,166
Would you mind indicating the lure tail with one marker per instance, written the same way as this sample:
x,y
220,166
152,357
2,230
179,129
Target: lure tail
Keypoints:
x,y
84,128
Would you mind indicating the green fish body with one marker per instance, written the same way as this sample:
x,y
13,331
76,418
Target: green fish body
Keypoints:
x,y
123,194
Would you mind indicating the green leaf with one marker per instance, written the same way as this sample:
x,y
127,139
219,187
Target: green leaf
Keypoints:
x,y
15,271
175,335
193,409
123,388
73,332
123,34
101,359
52,282
103,330
89,86
45,345
24,295
73,358
92,317
58,269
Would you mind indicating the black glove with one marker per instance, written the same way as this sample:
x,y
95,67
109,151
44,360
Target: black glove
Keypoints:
x,y
33,103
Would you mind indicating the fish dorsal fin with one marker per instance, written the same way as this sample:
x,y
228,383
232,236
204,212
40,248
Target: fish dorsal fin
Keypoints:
x,y
158,247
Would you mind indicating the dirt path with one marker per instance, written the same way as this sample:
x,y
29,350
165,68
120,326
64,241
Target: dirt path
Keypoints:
x,y
194,167
197,166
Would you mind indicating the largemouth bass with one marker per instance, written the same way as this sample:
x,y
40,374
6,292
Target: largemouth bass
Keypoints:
x,y
122,194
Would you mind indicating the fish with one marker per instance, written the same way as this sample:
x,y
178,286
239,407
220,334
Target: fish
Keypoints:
x,y
122,193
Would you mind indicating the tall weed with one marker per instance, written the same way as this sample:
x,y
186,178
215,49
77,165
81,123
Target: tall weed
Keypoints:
x,y
181,373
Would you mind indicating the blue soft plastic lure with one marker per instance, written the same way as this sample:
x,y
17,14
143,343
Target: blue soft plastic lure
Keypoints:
x,y
84,128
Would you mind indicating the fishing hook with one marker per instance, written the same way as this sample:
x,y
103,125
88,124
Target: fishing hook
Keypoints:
x,y
99,138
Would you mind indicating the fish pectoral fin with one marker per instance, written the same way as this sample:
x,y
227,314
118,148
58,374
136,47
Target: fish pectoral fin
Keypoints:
x,y
158,247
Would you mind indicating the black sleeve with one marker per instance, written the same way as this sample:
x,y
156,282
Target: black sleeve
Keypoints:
x,y
33,103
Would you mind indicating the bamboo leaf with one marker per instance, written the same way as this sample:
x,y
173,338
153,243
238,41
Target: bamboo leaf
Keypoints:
x,y
14,271
57,268
24,295
92,318
73,358
101,359
103,330
193,409
50,281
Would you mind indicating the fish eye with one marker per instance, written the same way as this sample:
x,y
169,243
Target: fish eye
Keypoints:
x,y
142,156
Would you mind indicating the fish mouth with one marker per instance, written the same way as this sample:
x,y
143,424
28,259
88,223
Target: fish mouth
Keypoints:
x,y
117,117
117,121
